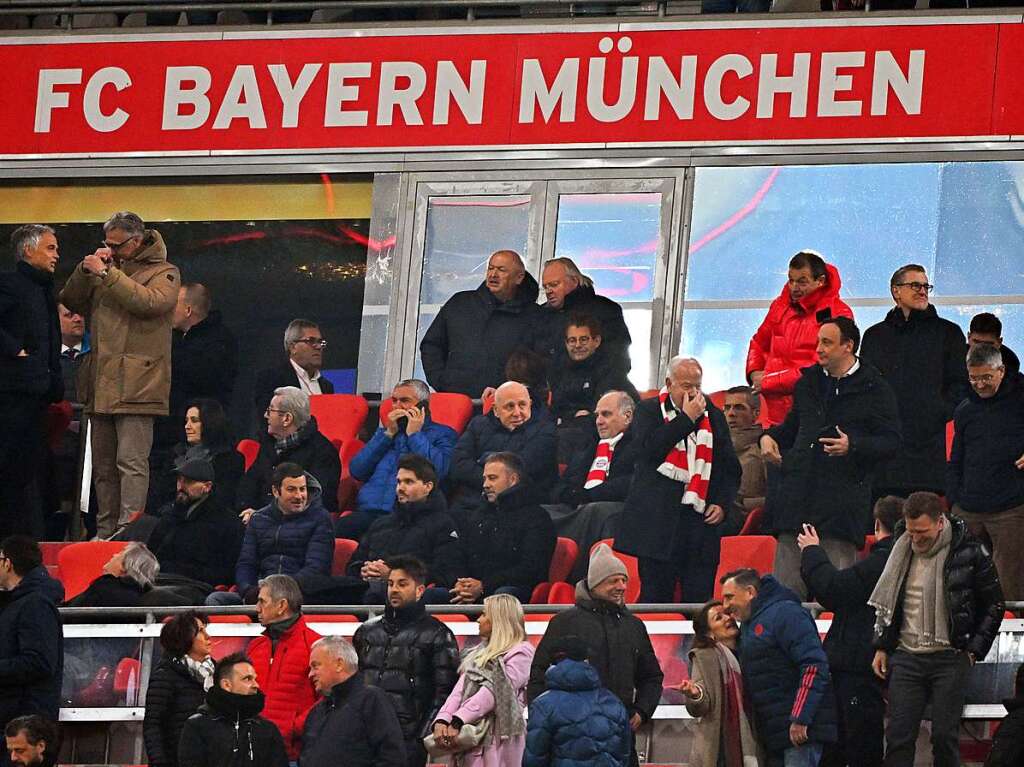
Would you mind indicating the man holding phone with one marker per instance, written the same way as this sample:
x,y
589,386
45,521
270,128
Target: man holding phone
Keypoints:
x,y
407,428
842,423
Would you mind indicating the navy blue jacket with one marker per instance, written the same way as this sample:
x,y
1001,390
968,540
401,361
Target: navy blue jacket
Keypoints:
x,y
28,320
534,442
31,647
298,545
376,465
577,722
784,669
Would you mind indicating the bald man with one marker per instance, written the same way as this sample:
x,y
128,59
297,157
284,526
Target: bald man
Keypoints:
x,y
509,427
687,474
467,345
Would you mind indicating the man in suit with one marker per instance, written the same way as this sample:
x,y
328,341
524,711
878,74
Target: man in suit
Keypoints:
x,y
304,344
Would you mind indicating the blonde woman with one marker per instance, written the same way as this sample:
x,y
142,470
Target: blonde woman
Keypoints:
x,y
492,685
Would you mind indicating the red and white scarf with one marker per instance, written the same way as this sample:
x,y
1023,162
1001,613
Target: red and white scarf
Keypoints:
x,y
602,461
689,461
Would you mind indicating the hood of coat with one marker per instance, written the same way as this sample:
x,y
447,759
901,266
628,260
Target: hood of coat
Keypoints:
x,y
587,601
151,251
232,706
746,436
526,294
38,581
408,513
770,593
572,676
826,293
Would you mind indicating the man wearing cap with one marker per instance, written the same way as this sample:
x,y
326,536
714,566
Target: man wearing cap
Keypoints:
x,y
197,536
617,641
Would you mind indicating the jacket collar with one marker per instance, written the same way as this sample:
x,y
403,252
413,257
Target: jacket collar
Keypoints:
x,y
283,628
771,591
896,318
38,276
587,601
403,616
151,251
515,497
344,690
525,295
410,513
229,705
825,294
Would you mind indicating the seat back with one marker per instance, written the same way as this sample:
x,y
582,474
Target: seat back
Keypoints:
x,y
752,524
632,569
447,408
343,550
949,439
126,680
563,560
82,563
249,448
348,485
757,551
562,594
339,416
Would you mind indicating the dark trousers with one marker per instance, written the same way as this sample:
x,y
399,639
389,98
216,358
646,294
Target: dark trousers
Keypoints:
x,y
22,438
693,562
915,680
415,753
861,710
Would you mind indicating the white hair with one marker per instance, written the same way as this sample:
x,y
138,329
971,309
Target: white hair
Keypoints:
x,y
27,237
340,648
679,361
294,401
128,222
625,402
296,329
571,270
140,564
421,389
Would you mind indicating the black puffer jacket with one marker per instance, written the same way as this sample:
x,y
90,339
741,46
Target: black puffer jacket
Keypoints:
x,y
173,696
981,476
467,345
413,657
974,597
1008,743
583,300
316,454
509,542
834,493
579,385
354,720
534,442
620,473
845,592
922,359
31,647
619,648
228,731
424,530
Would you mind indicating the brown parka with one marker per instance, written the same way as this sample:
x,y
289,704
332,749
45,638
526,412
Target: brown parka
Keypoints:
x,y
128,311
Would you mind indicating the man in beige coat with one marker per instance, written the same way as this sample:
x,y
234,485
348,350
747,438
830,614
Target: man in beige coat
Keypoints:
x,y
127,291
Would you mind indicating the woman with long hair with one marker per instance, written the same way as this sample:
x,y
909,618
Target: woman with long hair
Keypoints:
x,y
724,735
177,687
491,691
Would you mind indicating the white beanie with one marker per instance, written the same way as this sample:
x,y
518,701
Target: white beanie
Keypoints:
x,y
604,564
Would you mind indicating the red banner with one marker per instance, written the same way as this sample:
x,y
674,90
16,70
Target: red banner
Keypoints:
x,y
433,89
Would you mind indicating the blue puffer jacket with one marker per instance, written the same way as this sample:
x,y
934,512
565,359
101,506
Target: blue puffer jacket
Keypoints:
x,y
577,722
376,465
298,545
785,671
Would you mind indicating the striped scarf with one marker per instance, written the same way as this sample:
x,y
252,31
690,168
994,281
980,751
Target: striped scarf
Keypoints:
x,y
602,461
689,461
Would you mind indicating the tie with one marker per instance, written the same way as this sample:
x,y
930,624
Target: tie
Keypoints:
x,y
71,354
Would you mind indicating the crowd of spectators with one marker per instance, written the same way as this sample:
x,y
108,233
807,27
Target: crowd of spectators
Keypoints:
x,y
831,438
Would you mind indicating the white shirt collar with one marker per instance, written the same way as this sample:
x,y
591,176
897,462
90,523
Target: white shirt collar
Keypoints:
x,y
310,385
64,347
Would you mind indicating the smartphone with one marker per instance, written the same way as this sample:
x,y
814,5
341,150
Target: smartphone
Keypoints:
x,y
829,432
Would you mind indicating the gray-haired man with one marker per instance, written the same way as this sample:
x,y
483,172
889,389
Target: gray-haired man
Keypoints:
x,y
30,372
304,343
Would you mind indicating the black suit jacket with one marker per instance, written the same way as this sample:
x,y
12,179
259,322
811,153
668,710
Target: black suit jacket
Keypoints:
x,y
273,378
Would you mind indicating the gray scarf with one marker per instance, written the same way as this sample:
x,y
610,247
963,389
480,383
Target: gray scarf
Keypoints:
x,y
934,615
200,670
508,713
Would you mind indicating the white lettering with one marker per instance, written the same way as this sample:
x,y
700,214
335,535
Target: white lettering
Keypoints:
x,y
292,93
770,84
390,95
335,116
242,100
47,99
731,62
450,86
177,95
906,87
832,83
596,105
534,91
661,82
94,90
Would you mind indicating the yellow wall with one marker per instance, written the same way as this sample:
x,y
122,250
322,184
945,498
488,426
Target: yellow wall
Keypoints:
x,y
163,200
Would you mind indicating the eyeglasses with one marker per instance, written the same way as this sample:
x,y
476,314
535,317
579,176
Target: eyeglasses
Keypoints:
x,y
987,378
273,410
917,287
578,340
316,343
117,245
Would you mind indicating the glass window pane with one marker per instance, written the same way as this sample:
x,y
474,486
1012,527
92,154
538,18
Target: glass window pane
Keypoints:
x,y
462,233
615,238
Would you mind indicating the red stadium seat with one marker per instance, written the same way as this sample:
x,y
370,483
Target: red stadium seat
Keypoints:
x,y
222,646
757,551
126,681
58,417
447,408
562,594
949,439
249,448
632,568
649,393
752,524
563,560
540,593
339,416
343,550
667,648
348,485
82,563
718,398
869,541
487,403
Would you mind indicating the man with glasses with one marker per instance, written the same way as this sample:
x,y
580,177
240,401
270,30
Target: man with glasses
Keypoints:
x,y
127,292
985,476
921,355
304,344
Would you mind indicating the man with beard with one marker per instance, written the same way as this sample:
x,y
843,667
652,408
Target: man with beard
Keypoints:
x,y
228,728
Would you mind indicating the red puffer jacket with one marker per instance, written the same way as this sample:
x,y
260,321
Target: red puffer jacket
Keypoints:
x,y
787,341
284,679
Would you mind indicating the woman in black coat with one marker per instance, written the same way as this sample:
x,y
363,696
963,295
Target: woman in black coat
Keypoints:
x,y
177,687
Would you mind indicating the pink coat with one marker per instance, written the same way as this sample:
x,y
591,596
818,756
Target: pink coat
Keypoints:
x,y
508,753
